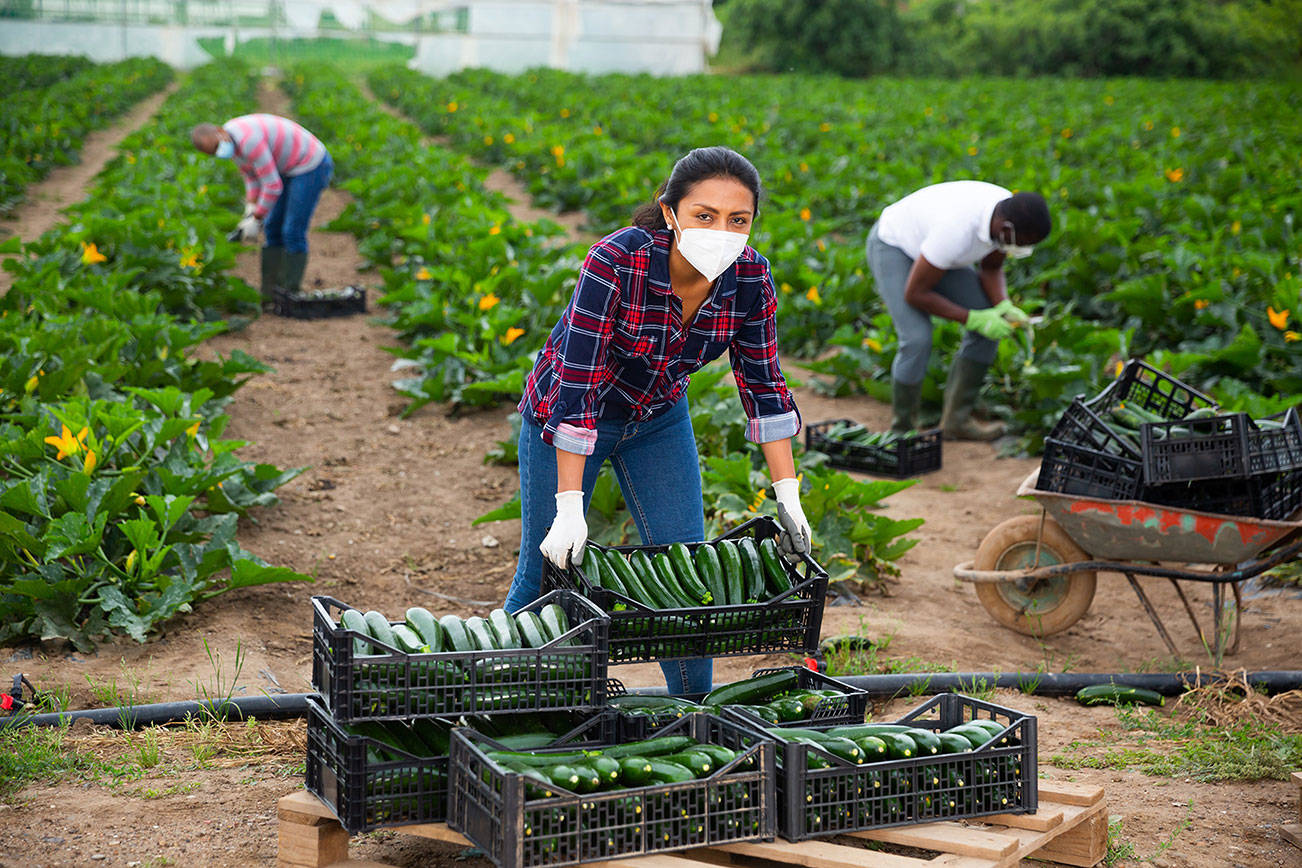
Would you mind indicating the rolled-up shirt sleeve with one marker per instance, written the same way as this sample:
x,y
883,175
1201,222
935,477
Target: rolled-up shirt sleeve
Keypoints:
x,y
769,404
580,363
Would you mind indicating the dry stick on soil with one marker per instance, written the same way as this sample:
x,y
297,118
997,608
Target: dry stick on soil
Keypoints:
x,y
1234,700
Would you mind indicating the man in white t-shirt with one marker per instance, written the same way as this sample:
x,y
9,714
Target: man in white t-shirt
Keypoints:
x,y
940,251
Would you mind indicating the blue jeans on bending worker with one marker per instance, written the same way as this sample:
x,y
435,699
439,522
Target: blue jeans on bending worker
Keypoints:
x,y
890,267
655,461
287,222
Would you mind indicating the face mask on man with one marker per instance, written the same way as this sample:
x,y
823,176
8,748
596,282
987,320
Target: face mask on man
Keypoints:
x,y
710,251
225,149
1011,250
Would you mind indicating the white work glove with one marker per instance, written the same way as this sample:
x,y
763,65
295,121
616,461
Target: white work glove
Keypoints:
x,y
246,230
569,531
249,208
796,537
1011,312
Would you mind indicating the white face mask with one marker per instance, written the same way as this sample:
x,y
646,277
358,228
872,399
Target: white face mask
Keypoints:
x,y
1014,251
710,251
225,149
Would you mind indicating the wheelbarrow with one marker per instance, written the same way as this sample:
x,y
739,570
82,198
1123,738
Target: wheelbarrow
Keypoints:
x,y
1036,574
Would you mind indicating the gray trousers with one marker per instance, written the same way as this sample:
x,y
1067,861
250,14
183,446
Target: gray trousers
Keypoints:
x,y
890,267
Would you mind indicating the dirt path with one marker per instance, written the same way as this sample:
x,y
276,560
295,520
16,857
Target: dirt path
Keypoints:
x,y
384,511
66,185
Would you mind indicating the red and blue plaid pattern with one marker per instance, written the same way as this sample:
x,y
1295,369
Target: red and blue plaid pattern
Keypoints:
x,y
620,351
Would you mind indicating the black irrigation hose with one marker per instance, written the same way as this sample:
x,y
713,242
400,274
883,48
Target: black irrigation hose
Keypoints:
x,y
284,706
289,706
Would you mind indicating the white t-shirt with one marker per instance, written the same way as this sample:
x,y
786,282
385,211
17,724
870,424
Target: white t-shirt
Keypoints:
x,y
948,223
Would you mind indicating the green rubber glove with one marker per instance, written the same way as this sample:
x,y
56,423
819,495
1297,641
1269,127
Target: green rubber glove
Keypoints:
x,y
989,323
1010,311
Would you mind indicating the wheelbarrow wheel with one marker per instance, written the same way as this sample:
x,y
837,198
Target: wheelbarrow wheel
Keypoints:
x,y
1044,606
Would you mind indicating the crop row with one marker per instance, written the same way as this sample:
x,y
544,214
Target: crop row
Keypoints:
x,y
474,294
1173,203
44,127
28,71
118,496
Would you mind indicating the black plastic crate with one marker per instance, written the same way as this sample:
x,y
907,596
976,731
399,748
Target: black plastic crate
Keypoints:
x,y
490,805
1276,450
1145,386
907,456
850,707
790,621
1070,469
394,685
365,793
1186,450
846,797
1273,496
319,304
1080,426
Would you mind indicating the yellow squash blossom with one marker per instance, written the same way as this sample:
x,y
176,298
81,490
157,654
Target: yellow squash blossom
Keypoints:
x,y
760,496
190,258
973,151
488,140
813,295
488,302
1291,337
1175,176
495,230
66,443
423,274
565,112
1175,132
805,214
31,384
452,106
1278,318
508,138
89,464
193,430
1236,227
511,334
90,254
873,344
1067,133
424,219
1201,303
131,560
1119,369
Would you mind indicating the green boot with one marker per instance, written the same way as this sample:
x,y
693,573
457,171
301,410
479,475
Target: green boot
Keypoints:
x,y
295,265
965,380
906,401
273,274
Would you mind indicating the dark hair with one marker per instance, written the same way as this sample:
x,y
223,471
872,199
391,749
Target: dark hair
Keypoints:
x,y
698,165
1029,214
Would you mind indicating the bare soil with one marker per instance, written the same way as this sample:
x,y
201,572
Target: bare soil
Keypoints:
x,y
382,517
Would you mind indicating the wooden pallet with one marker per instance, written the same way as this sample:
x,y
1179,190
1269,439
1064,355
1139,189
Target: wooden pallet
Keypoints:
x,y
1070,827
1292,832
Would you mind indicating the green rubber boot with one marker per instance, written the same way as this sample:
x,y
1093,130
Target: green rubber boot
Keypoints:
x,y
965,380
906,400
273,274
295,265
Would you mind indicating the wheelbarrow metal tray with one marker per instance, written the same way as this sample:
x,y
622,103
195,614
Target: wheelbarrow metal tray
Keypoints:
x,y
1133,530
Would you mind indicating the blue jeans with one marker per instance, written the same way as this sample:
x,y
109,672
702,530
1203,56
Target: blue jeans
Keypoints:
x,y
890,267
658,470
286,225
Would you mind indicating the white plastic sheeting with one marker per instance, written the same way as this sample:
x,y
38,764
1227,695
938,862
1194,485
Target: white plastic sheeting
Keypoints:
x,y
663,37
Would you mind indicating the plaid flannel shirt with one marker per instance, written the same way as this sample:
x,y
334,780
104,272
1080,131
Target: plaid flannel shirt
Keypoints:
x,y
620,350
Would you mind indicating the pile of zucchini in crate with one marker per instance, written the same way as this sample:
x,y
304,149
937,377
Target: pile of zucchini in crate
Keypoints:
x,y
721,573
1150,437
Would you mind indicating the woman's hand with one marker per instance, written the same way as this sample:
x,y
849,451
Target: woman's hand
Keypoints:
x,y
796,537
568,535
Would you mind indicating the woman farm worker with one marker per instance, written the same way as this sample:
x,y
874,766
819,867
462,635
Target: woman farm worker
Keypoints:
x,y
655,302
921,252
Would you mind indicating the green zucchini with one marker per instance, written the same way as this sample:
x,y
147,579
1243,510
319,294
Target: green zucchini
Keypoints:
x,y
627,701
717,753
751,569
874,749
753,691
594,568
480,633
698,763
351,619
651,747
1117,694
378,626
974,734
555,622
858,730
607,768
409,640
532,633
624,572
588,781
505,633
690,584
734,579
953,743
842,748
710,571
775,571
541,760
526,740
635,771
565,776
436,734
898,745
788,710
666,772
926,740
688,576
763,712
420,620
665,592
458,639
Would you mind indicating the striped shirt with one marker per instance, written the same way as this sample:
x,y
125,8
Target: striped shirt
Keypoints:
x,y
267,148
620,350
